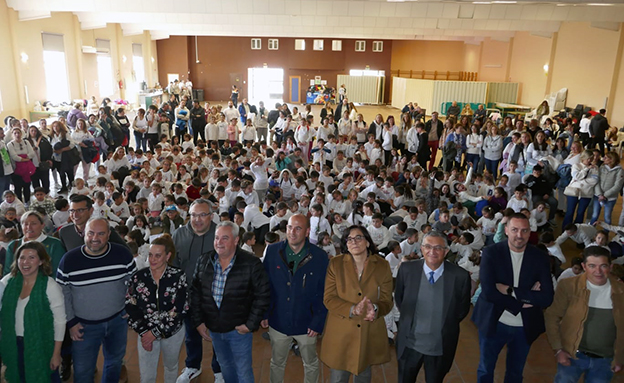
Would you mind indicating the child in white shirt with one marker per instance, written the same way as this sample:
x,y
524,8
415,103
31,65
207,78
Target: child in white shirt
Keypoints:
x,y
325,243
487,223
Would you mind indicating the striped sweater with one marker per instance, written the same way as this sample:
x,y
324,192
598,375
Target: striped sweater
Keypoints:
x,y
95,287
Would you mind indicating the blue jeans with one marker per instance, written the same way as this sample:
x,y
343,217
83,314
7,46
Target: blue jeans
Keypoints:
x,y
141,141
491,346
234,355
113,337
571,206
5,183
596,370
194,348
492,167
474,158
608,206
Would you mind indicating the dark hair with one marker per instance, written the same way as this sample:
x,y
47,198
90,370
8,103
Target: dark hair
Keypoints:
x,y
547,237
137,237
44,257
576,261
596,251
468,237
571,227
77,198
343,241
60,204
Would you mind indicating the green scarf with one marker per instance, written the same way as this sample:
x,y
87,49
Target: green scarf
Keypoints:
x,y
38,331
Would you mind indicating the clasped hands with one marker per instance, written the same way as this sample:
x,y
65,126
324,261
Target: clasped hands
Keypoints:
x,y
366,308
502,288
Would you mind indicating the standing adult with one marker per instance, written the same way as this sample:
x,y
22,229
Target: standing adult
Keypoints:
x,y
341,108
424,153
597,130
584,128
94,278
153,121
230,293
358,294
192,241
43,153
261,123
32,317
376,127
607,190
32,226
85,141
434,129
583,323
21,154
182,116
156,303
75,114
580,191
6,168
244,109
296,270
433,297
493,151
230,112
80,210
234,96
63,160
516,288
139,127
198,121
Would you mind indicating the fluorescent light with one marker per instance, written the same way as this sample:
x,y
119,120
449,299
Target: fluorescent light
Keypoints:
x,y
504,2
481,2
599,4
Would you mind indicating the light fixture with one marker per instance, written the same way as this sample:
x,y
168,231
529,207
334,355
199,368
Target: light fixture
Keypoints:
x,y
599,4
482,2
24,57
153,60
504,2
545,68
124,58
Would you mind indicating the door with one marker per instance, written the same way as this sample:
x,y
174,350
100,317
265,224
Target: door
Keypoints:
x,y
295,89
265,84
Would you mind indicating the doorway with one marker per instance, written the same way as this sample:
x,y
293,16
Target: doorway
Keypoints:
x,y
265,84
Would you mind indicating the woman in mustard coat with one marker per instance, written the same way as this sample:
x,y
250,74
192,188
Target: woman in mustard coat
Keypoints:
x,y
358,294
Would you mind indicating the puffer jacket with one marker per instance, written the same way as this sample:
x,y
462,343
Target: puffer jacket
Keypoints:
x,y
584,179
610,182
493,148
565,318
245,300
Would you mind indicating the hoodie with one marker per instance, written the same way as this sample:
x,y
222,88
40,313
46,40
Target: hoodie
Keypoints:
x,y
610,181
190,247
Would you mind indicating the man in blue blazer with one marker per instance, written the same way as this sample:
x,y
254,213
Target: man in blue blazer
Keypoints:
x,y
516,287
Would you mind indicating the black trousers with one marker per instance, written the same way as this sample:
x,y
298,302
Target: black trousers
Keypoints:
x,y
411,361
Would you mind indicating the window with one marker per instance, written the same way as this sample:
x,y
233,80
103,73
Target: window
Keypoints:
x,y
256,44
104,67
367,72
1,105
299,45
360,45
138,64
273,44
55,68
336,45
318,45
377,46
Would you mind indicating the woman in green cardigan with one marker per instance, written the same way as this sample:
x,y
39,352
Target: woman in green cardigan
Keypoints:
x,y
32,318
32,227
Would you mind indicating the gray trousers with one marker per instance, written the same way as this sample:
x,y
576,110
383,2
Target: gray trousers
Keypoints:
x,y
340,376
148,360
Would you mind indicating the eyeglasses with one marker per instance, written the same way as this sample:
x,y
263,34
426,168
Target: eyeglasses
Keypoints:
x,y
200,215
436,248
356,239
81,210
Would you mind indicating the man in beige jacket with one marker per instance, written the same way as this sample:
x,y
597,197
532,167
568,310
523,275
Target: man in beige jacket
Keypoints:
x,y
583,324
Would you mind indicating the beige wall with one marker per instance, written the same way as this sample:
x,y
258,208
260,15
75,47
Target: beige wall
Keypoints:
x,y
472,57
584,63
17,37
494,60
528,56
438,56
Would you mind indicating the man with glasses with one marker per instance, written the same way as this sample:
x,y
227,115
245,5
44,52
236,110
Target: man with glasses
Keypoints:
x,y
296,270
434,297
80,210
516,288
192,241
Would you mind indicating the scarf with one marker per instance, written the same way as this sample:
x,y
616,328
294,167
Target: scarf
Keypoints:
x,y
38,331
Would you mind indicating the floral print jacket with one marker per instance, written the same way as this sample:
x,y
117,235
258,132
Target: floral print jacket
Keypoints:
x,y
157,308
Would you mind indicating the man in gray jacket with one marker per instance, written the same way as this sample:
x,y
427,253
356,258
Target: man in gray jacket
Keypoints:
x,y
191,242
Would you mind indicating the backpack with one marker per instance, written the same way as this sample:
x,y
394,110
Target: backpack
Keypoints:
x,y
72,119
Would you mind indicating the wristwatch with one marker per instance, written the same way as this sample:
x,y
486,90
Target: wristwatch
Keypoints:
x,y
509,290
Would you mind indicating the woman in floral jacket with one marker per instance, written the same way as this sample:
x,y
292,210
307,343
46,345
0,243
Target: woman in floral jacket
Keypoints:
x,y
157,302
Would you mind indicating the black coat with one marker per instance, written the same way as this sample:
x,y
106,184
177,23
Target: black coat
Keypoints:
x,y
439,126
455,307
598,126
246,296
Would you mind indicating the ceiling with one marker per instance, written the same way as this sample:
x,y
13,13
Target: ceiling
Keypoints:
x,y
470,21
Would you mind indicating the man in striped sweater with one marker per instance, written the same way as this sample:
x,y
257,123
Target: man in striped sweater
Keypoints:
x,y
94,279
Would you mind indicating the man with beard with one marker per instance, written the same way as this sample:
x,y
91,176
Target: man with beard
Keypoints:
x,y
93,278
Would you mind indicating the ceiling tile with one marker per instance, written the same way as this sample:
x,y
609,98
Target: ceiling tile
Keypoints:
x,y
260,6
431,23
292,7
402,9
497,11
466,11
276,7
455,23
442,24
387,9
529,12
435,10
450,11
340,8
544,12
381,22
406,22
419,10
371,8
323,8
482,12
356,9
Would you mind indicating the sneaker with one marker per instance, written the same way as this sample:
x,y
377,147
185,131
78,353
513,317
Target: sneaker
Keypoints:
x,y
266,336
295,348
188,374
219,378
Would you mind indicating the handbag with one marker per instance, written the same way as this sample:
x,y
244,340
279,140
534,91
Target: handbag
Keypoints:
x,y
572,191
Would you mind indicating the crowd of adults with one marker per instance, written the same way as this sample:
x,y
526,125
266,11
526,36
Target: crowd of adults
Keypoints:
x,y
370,238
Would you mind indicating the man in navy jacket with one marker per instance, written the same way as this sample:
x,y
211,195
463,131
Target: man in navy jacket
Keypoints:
x,y
516,288
296,270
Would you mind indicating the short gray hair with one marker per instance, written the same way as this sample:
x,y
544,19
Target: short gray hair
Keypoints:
x,y
230,224
436,234
203,201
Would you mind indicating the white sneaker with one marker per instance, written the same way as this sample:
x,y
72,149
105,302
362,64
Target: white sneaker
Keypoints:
x,y
188,374
219,378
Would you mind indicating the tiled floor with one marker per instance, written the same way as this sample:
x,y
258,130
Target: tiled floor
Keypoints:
x,y
541,365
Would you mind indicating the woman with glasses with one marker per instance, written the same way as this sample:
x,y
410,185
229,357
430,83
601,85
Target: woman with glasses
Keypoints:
x,y
358,294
